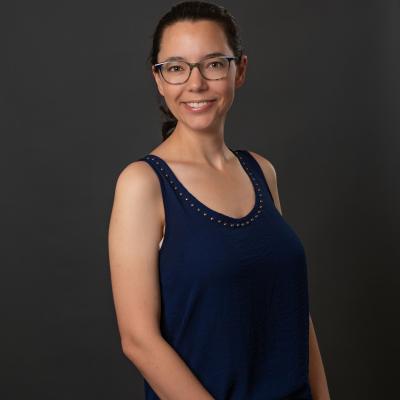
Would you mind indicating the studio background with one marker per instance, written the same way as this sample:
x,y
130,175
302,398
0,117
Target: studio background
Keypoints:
x,y
321,102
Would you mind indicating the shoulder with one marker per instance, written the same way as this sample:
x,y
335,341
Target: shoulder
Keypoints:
x,y
138,187
266,166
138,176
270,176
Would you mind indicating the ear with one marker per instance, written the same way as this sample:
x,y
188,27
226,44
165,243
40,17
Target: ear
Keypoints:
x,y
157,78
241,71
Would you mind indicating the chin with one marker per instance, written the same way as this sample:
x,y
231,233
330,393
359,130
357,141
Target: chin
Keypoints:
x,y
201,123
201,127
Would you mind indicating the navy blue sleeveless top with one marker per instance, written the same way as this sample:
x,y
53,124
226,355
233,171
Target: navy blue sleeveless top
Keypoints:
x,y
234,293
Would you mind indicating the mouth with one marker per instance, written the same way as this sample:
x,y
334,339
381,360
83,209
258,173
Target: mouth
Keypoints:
x,y
199,104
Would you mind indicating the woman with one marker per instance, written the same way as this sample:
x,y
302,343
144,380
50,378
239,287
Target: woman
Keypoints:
x,y
209,281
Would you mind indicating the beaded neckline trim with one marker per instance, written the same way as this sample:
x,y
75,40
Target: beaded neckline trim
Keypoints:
x,y
202,209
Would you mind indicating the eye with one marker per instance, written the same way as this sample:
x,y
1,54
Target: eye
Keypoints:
x,y
174,68
216,64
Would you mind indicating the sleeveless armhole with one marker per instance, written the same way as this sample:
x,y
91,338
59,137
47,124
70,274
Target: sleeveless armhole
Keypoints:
x,y
259,171
164,201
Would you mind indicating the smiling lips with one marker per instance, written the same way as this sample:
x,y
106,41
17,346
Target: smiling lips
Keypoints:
x,y
198,105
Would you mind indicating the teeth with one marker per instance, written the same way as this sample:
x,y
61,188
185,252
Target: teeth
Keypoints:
x,y
197,104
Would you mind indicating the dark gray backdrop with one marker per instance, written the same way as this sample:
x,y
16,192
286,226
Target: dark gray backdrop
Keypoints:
x,y
321,102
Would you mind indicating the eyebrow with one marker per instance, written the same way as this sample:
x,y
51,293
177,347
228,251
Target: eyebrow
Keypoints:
x,y
178,58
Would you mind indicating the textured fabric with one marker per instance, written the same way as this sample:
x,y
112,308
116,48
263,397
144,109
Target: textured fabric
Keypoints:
x,y
234,293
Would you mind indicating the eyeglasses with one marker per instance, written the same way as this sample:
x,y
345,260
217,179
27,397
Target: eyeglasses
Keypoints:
x,y
178,72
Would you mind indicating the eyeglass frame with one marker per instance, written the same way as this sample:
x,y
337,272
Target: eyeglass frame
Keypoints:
x,y
193,65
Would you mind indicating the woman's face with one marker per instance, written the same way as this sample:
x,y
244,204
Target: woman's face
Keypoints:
x,y
193,41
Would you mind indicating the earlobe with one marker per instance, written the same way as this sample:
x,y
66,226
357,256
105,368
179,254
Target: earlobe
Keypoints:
x,y
240,80
241,72
158,82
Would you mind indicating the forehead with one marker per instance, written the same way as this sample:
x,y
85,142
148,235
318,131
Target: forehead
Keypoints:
x,y
193,40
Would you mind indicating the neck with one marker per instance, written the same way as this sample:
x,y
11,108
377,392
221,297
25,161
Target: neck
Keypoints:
x,y
199,146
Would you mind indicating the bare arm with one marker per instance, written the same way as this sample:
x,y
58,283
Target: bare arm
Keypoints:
x,y
317,377
134,234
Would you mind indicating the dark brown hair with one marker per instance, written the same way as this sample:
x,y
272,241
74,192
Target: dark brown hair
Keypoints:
x,y
193,11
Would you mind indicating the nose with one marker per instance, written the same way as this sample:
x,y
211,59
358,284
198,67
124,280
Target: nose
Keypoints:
x,y
196,80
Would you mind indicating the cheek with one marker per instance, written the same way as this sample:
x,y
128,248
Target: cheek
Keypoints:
x,y
228,94
228,89
171,97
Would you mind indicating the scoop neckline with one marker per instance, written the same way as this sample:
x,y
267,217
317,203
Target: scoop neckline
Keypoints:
x,y
207,211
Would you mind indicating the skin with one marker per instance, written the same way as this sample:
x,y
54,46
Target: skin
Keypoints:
x,y
180,39
197,153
